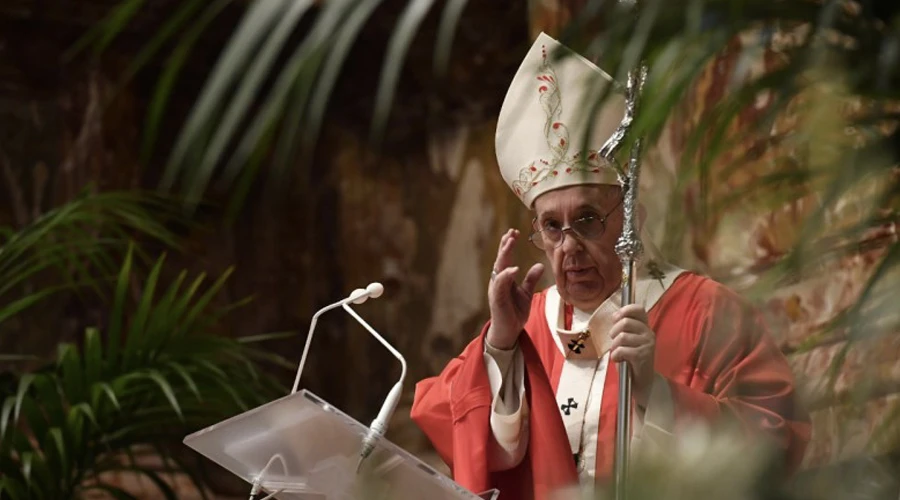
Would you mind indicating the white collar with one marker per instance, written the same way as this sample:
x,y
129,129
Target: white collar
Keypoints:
x,y
650,284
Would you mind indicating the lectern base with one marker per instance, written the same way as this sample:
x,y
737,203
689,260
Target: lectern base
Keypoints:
x,y
309,450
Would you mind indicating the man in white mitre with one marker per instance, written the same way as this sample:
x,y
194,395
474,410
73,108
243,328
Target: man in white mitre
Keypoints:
x,y
530,405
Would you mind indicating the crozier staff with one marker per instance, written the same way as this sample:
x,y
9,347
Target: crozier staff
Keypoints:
x,y
529,406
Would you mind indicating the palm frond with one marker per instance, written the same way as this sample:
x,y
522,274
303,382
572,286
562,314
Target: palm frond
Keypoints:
x,y
277,21
96,403
445,36
166,83
398,46
75,244
235,116
317,102
104,33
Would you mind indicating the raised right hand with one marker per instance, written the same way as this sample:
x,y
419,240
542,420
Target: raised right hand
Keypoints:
x,y
509,301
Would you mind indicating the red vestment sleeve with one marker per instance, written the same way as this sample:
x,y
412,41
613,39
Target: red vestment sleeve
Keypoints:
x,y
739,372
453,409
432,408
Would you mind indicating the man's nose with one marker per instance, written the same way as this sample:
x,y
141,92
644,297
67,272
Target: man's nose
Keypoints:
x,y
571,243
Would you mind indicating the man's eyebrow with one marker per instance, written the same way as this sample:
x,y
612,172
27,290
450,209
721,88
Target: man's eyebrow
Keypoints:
x,y
584,206
543,215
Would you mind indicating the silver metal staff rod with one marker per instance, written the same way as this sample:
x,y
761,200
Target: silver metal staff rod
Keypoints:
x,y
629,248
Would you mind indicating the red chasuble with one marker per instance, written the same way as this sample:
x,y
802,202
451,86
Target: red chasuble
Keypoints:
x,y
711,348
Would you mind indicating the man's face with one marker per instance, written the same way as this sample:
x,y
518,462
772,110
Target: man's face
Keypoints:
x,y
587,270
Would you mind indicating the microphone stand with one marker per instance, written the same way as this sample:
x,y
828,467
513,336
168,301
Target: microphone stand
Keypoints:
x,y
374,290
379,425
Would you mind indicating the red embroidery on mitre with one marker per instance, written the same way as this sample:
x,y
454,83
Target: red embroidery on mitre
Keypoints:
x,y
549,96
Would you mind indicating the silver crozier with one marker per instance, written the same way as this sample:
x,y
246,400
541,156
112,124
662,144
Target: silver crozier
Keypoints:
x,y
629,248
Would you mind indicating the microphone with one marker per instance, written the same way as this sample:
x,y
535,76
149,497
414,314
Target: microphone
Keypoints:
x,y
360,295
380,424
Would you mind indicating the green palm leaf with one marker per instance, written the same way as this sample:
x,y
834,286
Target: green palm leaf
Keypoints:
x,y
305,83
17,306
13,488
345,35
186,377
407,27
446,31
91,408
24,385
93,357
164,86
7,417
103,391
72,371
76,242
288,15
104,33
114,337
290,91
254,27
135,351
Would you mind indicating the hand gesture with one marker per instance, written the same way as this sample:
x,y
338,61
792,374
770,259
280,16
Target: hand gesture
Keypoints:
x,y
635,343
509,301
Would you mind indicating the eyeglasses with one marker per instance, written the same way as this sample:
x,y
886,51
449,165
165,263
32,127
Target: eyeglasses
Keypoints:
x,y
586,228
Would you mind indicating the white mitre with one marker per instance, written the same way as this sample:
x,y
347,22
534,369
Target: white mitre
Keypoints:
x,y
543,139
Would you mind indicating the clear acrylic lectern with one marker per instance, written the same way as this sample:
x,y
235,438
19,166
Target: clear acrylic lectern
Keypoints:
x,y
300,447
